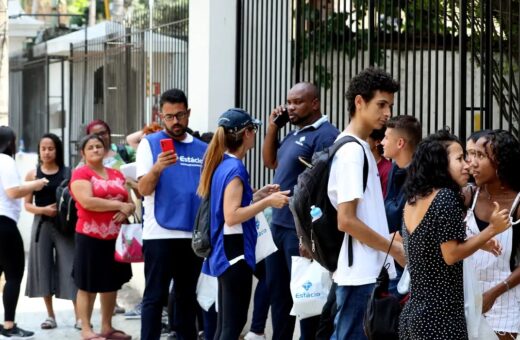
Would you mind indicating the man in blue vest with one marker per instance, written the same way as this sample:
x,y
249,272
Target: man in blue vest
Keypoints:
x,y
168,181
313,133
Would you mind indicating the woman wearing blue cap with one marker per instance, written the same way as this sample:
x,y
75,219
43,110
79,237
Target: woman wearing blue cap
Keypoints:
x,y
233,208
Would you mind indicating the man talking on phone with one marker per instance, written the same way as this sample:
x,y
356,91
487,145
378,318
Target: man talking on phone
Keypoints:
x,y
312,133
168,166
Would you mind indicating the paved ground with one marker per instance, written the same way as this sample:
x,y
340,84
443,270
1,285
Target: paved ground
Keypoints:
x,y
31,313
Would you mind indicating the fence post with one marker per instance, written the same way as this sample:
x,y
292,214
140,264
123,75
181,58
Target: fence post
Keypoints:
x,y
238,55
488,64
463,62
371,29
300,34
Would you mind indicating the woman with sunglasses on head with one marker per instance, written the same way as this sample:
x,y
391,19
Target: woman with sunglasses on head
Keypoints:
x,y
494,167
233,208
435,240
51,251
11,244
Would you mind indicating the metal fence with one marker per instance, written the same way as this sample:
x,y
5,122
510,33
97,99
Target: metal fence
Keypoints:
x,y
111,77
35,108
457,61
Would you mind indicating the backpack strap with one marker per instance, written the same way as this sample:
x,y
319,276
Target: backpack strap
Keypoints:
x,y
333,149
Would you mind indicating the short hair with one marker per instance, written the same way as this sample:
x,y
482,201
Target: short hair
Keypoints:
x,y
378,134
409,126
97,122
366,83
173,96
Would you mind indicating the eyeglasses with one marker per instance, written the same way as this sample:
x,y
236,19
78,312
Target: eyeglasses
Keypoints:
x,y
179,115
253,128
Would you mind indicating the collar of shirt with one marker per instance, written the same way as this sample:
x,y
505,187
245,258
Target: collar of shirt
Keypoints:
x,y
315,125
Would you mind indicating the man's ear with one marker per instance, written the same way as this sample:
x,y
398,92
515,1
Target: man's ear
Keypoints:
x,y
359,101
401,143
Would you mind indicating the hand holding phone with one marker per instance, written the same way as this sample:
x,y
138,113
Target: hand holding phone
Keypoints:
x,y
167,145
282,118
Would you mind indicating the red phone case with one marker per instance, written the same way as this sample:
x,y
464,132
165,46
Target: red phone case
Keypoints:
x,y
167,145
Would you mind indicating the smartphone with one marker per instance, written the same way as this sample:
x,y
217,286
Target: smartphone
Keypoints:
x,y
282,118
167,145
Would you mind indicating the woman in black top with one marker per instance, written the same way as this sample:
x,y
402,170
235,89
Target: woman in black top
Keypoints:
x,y
51,252
434,240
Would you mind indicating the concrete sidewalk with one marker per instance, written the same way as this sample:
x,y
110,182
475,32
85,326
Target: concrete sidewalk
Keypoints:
x,y
30,313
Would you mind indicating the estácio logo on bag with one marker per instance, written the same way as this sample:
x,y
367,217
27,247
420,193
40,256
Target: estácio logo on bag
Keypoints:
x,y
259,232
305,295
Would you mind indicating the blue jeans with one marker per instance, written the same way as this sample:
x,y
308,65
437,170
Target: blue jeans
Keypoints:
x,y
352,304
278,266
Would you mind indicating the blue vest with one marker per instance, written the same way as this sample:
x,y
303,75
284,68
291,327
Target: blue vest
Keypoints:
x,y
176,200
217,262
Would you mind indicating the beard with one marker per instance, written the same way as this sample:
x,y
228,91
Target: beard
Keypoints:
x,y
176,130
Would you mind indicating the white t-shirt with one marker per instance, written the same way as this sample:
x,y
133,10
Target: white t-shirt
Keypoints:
x,y
9,178
345,185
151,229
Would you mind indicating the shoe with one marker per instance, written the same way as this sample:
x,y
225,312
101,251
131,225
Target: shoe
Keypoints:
x,y
16,333
49,323
172,336
254,336
165,330
78,326
116,334
201,336
134,313
118,309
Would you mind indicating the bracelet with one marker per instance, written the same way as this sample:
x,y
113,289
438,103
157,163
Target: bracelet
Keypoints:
x,y
506,283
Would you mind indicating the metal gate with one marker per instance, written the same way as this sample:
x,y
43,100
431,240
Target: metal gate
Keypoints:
x,y
457,61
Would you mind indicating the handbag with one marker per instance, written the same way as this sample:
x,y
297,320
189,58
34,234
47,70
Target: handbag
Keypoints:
x,y
264,243
129,243
381,320
310,286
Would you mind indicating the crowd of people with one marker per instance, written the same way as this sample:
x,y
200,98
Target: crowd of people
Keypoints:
x,y
429,203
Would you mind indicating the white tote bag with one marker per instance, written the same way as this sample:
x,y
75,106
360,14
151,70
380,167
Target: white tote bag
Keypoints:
x,y
207,290
264,243
310,286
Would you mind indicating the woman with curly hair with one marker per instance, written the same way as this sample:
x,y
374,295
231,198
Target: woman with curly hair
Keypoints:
x,y
494,170
435,240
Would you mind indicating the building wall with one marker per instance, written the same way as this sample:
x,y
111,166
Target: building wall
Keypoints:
x,y
4,63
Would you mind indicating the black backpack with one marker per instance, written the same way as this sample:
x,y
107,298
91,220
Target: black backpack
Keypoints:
x,y
201,238
381,320
67,213
321,238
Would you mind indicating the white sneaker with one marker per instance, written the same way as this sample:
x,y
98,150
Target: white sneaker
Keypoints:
x,y
254,336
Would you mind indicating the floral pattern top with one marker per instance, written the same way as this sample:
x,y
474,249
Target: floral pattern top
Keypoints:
x,y
100,224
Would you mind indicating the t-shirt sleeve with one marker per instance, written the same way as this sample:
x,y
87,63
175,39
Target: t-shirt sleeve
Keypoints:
x,y
81,173
9,177
143,158
347,173
451,219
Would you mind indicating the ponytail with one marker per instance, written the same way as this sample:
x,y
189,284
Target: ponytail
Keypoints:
x,y
212,158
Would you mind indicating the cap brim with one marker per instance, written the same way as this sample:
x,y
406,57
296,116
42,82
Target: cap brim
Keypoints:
x,y
256,121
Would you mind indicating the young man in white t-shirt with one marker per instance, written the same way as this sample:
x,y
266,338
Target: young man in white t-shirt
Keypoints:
x,y
361,214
